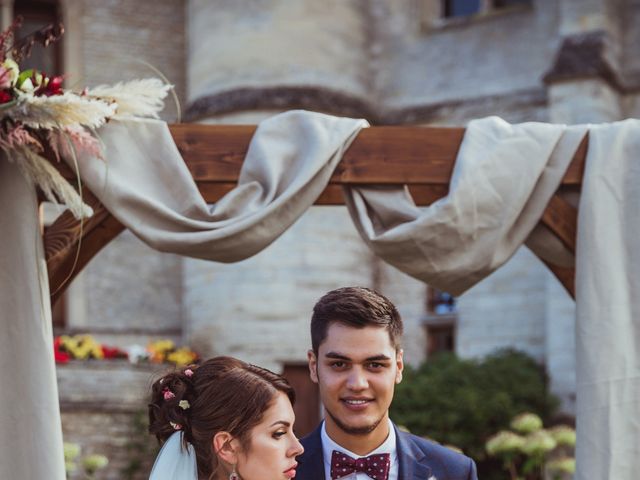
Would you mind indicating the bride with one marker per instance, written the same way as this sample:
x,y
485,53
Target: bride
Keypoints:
x,y
223,419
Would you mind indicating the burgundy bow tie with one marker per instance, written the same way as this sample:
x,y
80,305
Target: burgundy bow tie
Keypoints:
x,y
375,466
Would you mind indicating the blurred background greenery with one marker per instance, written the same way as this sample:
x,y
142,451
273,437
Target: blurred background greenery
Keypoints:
x,y
464,402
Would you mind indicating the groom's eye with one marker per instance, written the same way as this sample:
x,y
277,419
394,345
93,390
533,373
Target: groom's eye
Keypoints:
x,y
338,364
376,366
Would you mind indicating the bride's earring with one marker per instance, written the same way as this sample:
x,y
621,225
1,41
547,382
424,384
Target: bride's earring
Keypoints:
x,y
234,475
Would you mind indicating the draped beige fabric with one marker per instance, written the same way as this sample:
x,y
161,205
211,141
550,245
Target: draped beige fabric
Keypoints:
x,y
502,181
503,178
608,305
30,431
146,185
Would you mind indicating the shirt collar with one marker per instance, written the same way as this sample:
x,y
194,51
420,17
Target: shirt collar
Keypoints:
x,y
328,445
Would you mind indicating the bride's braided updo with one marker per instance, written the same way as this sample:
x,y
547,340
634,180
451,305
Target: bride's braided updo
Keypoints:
x,y
221,394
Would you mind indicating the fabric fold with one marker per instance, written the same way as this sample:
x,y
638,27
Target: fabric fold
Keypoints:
x,y
503,178
30,429
146,185
607,305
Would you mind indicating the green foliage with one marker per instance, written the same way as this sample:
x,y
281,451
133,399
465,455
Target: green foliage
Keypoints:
x,y
90,463
534,450
464,402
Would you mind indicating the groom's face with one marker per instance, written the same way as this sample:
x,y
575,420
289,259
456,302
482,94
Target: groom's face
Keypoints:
x,y
356,370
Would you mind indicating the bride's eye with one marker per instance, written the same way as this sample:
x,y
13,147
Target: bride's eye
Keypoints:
x,y
278,434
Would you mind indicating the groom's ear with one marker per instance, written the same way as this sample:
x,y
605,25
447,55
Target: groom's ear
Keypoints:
x,y
313,366
399,365
225,446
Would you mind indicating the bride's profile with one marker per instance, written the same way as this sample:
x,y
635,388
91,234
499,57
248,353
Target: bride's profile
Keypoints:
x,y
223,419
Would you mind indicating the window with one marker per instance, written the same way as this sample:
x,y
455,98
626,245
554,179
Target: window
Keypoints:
x,y
440,322
510,3
461,8
439,302
439,13
440,338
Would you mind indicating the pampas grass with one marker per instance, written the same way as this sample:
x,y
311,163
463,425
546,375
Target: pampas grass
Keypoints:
x,y
55,188
142,98
71,141
59,111
19,137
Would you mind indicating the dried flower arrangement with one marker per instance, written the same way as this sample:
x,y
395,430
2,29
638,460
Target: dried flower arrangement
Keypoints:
x,y
41,122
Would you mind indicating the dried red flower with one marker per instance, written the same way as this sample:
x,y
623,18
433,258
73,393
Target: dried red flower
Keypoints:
x,y
5,96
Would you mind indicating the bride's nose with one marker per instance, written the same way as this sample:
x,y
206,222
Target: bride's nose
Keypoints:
x,y
296,449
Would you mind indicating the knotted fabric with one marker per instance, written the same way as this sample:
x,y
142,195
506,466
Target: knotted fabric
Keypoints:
x,y
375,466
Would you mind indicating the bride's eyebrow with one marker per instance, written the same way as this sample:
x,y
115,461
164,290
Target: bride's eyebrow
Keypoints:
x,y
280,422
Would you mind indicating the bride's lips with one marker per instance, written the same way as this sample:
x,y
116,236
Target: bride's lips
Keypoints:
x,y
291,471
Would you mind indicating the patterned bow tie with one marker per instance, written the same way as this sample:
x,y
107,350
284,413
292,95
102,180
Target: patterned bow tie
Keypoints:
x,y
375,466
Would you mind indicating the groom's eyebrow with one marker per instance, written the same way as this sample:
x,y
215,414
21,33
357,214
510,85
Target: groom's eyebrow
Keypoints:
x,y
339,356
378,358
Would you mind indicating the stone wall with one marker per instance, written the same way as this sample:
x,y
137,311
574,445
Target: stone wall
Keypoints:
x,y
506,310
103,408
132,289
498,54
304,43
117,38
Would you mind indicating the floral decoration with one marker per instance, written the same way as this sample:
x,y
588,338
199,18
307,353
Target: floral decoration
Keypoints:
x,y
42,123
165,351
85,347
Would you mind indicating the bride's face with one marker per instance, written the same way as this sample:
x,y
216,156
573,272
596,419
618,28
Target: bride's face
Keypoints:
x,y
273,447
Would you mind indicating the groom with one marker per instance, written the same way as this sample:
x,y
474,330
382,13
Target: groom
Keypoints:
x,y
356,360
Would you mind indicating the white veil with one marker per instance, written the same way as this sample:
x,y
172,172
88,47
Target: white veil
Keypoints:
x,y
174,462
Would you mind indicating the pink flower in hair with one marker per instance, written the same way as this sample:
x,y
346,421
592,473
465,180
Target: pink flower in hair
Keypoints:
x,y
176,426
188,372
168,394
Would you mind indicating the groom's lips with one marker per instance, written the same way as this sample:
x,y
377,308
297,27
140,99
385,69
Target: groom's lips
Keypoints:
x,y
356,404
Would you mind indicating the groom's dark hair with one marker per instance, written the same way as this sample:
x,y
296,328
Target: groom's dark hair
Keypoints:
x,y
356,307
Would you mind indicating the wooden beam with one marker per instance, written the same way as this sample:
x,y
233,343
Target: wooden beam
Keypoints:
x,y
420,157
69,244
379,155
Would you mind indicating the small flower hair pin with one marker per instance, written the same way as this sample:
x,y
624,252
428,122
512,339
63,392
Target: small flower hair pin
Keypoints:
x,y
167,394
188,372
176,426
184,404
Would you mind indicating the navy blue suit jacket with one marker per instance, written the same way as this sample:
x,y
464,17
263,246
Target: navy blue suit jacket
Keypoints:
x,y
419,459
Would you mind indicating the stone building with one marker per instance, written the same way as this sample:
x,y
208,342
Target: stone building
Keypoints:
x,y
426,62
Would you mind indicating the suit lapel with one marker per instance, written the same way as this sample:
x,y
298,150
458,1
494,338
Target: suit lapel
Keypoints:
x,y
311,463
412,464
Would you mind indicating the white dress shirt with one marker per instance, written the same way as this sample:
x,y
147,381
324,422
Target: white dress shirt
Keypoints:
x,y
388,446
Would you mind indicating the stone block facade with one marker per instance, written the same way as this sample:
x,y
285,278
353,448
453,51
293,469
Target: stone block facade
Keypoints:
x,y
103,409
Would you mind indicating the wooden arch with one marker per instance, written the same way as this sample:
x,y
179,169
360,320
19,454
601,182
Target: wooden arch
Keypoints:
x,y
420,157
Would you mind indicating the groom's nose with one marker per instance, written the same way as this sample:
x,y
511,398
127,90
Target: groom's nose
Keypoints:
x,y
357,380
